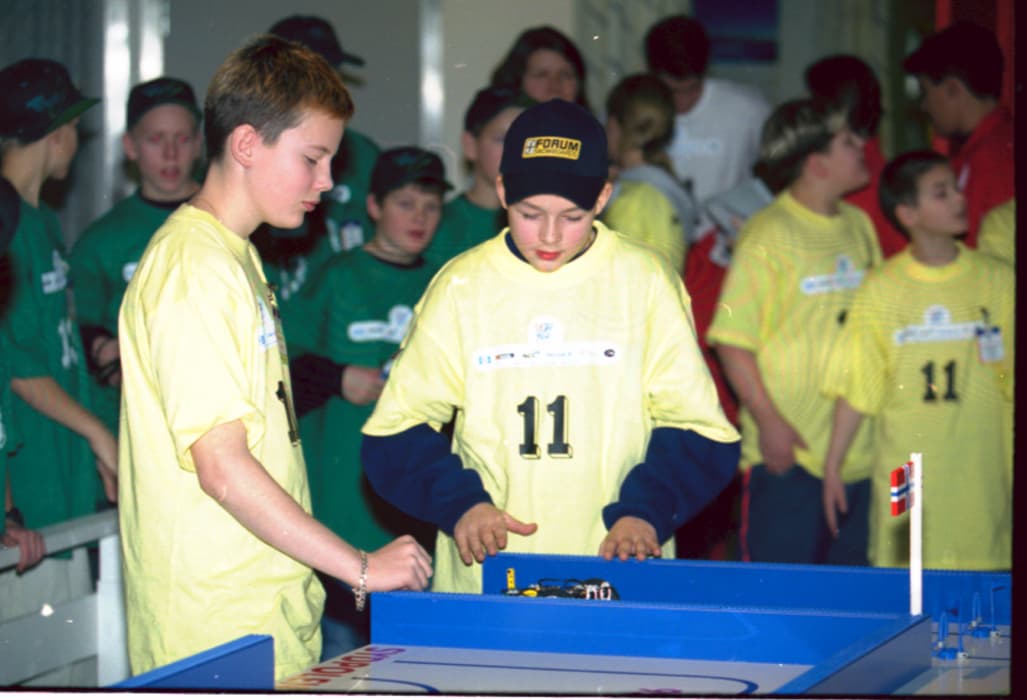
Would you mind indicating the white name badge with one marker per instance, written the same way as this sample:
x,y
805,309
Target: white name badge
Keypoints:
x,y
989,344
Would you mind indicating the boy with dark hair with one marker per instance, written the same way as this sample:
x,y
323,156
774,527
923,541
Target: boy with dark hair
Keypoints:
x,y
717,127
927,350
13,532
339,222
960,75
586,420
475,215
162,140
50,473
215,516
851,83
359,306
793,274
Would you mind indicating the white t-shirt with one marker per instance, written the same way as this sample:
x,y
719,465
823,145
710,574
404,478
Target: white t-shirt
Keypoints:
x,y
716,144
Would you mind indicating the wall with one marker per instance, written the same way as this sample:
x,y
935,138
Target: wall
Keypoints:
x,y
385,33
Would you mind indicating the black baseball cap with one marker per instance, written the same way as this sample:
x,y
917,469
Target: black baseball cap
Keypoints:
x,y
36,97
490,101
397,167
160,91
556,147
10,211
964,49
318,35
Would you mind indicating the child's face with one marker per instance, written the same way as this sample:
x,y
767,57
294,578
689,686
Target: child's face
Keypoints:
x,y
549,75
486,149
64,140
550,230
164,144
940,206
936,101
287,177
845,162
405,221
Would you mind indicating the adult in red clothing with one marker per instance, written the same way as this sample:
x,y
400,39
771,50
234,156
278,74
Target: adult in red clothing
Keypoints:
x,y
960,75
849,81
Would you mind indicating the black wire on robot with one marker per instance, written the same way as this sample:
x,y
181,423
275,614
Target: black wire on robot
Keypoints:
x,y
588,589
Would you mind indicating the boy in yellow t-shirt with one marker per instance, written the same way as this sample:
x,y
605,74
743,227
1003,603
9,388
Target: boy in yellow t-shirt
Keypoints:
x,y
928,351
586,421
795,270
215,517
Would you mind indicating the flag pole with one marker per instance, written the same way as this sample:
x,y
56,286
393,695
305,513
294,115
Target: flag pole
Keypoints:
x,y
916,537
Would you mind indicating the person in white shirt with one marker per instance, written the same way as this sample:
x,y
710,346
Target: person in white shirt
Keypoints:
x,y
718,122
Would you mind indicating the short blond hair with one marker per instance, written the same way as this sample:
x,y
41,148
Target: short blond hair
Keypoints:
x,y
793,132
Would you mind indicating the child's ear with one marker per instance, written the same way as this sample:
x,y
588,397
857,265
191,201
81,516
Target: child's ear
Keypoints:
x,y
907,215
815,165
469,144
242,143
501,191
374,209
602,199
128,144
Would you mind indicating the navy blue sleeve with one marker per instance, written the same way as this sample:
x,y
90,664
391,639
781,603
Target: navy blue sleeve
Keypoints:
x,y
415,471
315,379
683,471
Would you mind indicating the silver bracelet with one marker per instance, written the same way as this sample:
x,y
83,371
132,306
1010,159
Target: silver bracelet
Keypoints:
x,y
360,594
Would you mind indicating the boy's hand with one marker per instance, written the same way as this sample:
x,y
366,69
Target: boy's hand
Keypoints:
x,y
30,542
834,499
482,529
778,441
630,537
361,385
105,449
107,356
400,565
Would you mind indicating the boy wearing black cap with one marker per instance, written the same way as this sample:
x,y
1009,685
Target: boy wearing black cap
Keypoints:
x,y
586,419
340,222
162,140
960,75
359,305
13,532
474,216
50,475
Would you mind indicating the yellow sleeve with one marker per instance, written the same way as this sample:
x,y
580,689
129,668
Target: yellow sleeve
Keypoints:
x,y
641,212
997,235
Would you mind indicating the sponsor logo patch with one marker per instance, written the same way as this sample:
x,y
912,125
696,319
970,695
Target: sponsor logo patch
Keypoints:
x,y
551,147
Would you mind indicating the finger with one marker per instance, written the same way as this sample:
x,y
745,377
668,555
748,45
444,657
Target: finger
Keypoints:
x,y
493,541
464,548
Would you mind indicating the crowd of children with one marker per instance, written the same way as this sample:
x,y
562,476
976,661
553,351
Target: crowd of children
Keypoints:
x,y
575,354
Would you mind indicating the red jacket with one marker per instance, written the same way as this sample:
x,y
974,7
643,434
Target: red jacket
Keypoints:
x,y
984,168
866,199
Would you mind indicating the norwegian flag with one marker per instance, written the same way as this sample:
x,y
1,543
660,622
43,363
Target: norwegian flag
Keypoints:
x,y
902,489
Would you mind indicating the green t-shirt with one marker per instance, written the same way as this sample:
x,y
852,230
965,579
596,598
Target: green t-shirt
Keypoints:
x,y
102,263
348,223
463,225
53,473
7,439
359,308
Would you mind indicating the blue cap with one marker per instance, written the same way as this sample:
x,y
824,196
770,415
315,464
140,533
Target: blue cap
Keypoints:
x,y
400,166
556,147
36,97
160,91
316,34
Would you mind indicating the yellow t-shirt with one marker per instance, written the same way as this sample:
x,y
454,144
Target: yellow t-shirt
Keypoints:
x,y
997,235
642,212
201,345
910,355
792,278
558,380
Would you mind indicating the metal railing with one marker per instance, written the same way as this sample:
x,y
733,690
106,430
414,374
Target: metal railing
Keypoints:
x,y
44,641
